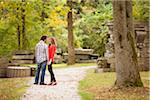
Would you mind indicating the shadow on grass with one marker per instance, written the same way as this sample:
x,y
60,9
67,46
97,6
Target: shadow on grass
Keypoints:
x,y
98,86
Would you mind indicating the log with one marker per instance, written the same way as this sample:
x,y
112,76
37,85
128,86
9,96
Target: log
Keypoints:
x,y
18,72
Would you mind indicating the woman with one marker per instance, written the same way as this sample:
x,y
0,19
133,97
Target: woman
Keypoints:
x,y
51,53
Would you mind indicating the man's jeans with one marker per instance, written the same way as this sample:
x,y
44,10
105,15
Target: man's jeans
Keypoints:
x,y
43,67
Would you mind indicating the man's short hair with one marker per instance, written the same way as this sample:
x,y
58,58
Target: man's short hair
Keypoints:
x,y
43,38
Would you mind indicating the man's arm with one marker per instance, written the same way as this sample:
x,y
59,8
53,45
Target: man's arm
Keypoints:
x,y
35,53
46,48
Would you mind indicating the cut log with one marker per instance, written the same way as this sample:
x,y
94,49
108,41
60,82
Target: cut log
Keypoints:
x,y
18,72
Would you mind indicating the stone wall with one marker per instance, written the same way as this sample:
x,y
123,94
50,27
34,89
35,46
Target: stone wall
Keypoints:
x,y
141,30
82,56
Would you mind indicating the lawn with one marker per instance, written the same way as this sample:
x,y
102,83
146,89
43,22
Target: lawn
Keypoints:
x,y
98,86
64,65
12,88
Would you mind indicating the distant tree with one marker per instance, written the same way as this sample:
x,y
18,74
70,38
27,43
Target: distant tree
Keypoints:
x,y
71,52
125,50
23,21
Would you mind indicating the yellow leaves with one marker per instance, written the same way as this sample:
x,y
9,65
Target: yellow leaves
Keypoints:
x,y
1,4
136,11
54,19
58,16
58,8
64,11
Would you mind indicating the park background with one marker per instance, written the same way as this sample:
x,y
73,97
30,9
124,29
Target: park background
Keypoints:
x,y
23,22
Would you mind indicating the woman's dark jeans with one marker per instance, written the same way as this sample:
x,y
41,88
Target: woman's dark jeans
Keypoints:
x,y
50,69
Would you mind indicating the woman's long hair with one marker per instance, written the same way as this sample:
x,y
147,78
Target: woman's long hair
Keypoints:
x,y
53,41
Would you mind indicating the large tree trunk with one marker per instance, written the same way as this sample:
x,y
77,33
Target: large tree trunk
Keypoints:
x,y
125,52
71,52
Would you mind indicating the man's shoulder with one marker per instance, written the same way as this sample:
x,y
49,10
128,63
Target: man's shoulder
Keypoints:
x,y
45,45
37,44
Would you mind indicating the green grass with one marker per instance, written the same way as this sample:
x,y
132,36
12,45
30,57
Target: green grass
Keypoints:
x,y
98,86
12,88
64,65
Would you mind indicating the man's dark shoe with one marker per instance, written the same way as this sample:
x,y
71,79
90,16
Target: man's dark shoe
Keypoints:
x,y
43,84
35,83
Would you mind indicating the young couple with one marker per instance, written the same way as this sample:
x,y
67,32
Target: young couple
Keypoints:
x,y
45,56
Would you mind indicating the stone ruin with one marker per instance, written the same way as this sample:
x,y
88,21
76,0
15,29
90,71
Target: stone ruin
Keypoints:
x,y
3,66
141,30
83,56
14,67
22,57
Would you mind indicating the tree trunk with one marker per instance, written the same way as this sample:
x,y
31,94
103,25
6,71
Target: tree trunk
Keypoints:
x,y
18,31
24,38
18,35
125,50
71,52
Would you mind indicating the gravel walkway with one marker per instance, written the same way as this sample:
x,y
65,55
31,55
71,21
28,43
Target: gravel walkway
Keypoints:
x,y
66,89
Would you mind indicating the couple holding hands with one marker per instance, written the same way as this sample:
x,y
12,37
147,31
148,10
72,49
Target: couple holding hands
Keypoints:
x,y
44,55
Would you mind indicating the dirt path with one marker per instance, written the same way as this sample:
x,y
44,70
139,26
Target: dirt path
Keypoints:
x,y
66,89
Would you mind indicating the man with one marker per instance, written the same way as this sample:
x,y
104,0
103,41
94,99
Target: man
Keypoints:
x,y
41,54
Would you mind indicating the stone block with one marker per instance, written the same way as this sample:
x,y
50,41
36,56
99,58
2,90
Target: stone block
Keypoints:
x,y
26,57
23,61
23,52
84,51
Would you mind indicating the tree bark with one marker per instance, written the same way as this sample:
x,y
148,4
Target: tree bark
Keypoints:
x,y
125,50
24,38
43,14
71,52
18,31
18,35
